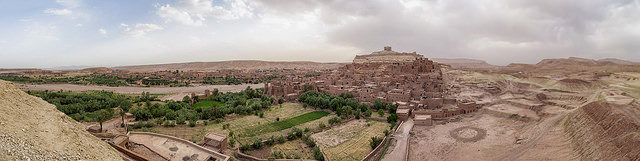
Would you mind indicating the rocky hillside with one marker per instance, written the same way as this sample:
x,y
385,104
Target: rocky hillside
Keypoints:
x,y
617,61
603,131
574,67
32,129
248,65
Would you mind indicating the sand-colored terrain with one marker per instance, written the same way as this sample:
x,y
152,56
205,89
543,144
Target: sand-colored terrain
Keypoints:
x,y
32,129
575,117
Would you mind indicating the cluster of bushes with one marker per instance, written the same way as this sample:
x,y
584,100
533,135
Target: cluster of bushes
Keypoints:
x,y
84,106
343,105
374,142
168,123
158,81
144,97
107,80
112,81
140,124
229,80
37,80
295,133
258,143
280,155
245,102
334,120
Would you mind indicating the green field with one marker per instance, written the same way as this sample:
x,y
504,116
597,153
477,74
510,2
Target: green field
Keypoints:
x,y
202,104
289,113
283,124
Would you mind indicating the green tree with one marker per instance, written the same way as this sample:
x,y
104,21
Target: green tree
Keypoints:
x,y
102,116
186,99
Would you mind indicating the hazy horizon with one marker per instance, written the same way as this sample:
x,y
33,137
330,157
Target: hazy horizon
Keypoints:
x,y
58,33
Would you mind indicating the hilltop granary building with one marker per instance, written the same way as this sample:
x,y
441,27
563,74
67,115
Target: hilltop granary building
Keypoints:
x,y
409,80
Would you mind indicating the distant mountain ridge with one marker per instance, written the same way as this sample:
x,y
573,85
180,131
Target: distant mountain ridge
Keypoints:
x,y
464,63
247,65
578,61
72,67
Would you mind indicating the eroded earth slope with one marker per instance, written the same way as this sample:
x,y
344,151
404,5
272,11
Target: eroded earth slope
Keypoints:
x,y
32,129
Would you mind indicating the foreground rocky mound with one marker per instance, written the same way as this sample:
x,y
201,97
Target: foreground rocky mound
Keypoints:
x,y
603,131
32,129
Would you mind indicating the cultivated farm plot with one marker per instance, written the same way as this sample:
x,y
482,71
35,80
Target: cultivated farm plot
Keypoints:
x,y
251,127
350,141
282,124
293,148
204,104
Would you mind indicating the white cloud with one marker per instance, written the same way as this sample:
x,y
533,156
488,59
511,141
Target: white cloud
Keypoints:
x,y
53,11
102,31
499,31
196,12
79,25
69,3
140,29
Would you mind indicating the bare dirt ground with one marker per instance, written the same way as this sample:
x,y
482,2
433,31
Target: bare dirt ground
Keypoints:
x,y
531,137
110,126
436,142
176,93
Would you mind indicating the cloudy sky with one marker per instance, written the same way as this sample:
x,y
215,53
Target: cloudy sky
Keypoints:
x,y
37,33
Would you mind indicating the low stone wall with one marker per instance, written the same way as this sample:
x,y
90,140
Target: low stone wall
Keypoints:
x,y
375,118
129,153
218,155
244,156
380,146
375,151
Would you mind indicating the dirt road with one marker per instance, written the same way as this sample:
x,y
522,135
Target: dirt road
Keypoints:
x,y
399,152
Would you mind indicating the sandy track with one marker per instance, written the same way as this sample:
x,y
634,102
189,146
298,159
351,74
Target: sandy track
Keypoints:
x,y
399,151
136,90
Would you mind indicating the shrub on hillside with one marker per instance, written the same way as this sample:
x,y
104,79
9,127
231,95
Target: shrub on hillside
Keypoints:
x,y
317,154
374,142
